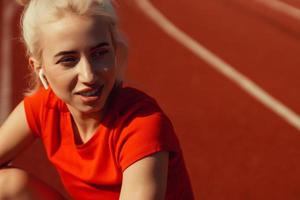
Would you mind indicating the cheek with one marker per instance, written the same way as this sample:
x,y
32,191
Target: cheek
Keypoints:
x,y
110,79
61,80
111,75
107,61
101,63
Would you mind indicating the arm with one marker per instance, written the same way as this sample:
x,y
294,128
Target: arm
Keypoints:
x,y
146,179
15,135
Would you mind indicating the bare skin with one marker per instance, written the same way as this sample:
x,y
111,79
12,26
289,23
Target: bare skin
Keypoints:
x,y
17,184
145,179
73,63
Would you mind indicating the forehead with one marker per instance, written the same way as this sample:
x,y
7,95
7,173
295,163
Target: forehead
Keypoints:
x,y
74,33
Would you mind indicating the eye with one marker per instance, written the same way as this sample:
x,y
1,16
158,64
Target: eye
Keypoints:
x,y
68,61
99,53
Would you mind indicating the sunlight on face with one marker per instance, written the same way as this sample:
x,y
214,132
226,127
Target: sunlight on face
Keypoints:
x,y
79,61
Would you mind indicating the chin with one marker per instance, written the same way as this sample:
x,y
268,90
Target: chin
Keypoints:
x,y
90,109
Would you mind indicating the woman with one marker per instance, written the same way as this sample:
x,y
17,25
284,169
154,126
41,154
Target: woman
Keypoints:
x,y
106,141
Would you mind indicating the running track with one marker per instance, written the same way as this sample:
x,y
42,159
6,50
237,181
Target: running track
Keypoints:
x,y
238,144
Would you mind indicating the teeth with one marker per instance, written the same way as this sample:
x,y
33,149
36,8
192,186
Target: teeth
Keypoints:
x,y
90,93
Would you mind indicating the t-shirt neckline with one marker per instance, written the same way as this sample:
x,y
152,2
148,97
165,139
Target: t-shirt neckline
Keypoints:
x,y
86,144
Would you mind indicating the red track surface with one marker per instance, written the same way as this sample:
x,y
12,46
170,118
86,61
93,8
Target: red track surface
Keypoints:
x,y
235,148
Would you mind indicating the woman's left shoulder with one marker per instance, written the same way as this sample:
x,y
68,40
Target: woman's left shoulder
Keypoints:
x,y
131,101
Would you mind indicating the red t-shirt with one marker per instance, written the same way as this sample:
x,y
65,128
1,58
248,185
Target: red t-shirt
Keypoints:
x,y
133,127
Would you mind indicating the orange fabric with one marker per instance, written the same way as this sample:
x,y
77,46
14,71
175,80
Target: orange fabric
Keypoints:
x,y
133,127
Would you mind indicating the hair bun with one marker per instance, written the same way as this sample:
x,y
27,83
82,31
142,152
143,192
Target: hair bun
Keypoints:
x,y
23,2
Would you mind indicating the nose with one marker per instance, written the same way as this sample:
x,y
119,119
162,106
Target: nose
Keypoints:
x,y
87,73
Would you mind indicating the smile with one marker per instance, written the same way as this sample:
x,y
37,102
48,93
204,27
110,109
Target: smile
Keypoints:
x,y
94,92
90,95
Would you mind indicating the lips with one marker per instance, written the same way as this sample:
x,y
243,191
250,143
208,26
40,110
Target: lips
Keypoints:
x,y
90,95
92,91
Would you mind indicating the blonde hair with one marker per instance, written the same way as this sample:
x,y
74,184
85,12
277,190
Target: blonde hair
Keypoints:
x,y
37,12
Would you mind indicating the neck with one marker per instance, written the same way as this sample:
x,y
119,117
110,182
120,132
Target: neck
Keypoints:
x,y
85,125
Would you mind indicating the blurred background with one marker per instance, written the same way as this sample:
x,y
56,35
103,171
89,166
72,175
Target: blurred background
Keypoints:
x,y
224,71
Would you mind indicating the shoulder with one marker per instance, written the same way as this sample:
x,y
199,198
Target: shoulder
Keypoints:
x,y
40,108
130,102
141,127
138,114
45,99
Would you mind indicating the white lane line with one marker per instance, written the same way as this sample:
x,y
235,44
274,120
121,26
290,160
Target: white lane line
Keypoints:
x,y
8,12
282,7
220,65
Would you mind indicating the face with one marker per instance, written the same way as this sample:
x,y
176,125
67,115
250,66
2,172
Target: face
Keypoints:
x,y
79,62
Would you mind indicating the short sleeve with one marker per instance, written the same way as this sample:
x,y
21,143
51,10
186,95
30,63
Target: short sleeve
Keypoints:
x,y
33,109
144,134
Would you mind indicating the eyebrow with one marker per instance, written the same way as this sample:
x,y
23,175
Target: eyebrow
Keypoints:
x,y
62,53
99,45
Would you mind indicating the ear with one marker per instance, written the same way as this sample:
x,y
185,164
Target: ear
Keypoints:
x,y
34,64
37,67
